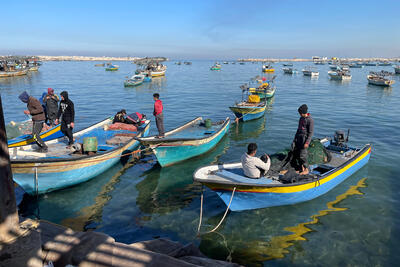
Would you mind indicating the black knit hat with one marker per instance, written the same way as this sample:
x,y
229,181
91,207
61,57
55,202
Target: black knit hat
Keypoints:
x,y
303,109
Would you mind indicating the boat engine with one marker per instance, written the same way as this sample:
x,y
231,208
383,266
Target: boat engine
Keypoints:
x,y
340,139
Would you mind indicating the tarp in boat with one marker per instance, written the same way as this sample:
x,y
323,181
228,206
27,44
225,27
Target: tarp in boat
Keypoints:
x,y
254,98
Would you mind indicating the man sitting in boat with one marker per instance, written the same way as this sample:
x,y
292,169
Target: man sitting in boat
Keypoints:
x,y
120,116
302,140
254,167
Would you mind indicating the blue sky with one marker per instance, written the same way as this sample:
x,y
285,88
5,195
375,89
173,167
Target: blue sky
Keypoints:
x,y
202,29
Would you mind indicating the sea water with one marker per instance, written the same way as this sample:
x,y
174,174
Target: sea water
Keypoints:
x,y
356,223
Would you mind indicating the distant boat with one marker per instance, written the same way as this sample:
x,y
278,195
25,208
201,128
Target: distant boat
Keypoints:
x,y
319,62
135,80
187,141
288,64
379,80
289,70
241,63
187,63
178,63
60,167
99,65
268,68
216,66
384,63
355,65
226,62
308,71
112,68
4,74
334,67
339,75
370,64
397,69
344,67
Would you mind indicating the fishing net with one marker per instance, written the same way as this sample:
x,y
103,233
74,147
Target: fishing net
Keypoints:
x,y
15,129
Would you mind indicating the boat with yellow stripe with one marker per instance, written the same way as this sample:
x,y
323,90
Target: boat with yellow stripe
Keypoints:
x,y
268,68
27,139
242,193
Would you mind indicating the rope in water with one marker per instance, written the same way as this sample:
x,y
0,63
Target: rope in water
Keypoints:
x,y
222,219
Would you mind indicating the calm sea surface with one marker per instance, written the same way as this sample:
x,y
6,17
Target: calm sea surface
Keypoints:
x,y
356,223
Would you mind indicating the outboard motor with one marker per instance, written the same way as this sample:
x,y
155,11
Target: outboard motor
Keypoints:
x,y
340,139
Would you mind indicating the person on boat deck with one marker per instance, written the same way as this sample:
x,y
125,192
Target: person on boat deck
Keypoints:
x,y
136,119
35,109
158,113
120,116
302,139
66,114
254,167
51,102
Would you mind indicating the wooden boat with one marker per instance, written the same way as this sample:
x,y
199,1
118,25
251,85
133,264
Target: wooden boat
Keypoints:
x,y
216,66
339,75
289,70
370,64
60,168
288,64
245,111
13,73
308,71
187,141
112,68
263,93
135,80
34,68
99,65
397,69
27,139
268,68
379,80
384,63
355,65
230,183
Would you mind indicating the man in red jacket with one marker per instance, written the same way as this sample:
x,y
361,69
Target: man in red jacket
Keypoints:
x,y
158,109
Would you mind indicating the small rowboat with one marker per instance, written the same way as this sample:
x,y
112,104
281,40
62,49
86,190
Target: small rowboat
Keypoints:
x,y
27,139
135,80
339,75
397,69
379,80
288,64
246,111
242,193
268,68
187,141
216,67
13,73
289,70
62,167
112,68
310,72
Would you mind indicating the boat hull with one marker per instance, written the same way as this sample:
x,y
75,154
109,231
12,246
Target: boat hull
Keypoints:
x,y
158,73
248,113
13,73
24,140
61,174
174,152
255,197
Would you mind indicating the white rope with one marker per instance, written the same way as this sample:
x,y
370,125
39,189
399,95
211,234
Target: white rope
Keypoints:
x,y
223,217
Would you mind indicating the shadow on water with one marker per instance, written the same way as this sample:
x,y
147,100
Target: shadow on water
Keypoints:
x,y
266,247
168,189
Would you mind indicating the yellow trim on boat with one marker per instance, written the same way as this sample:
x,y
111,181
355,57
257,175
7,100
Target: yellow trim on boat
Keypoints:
x,y
30,140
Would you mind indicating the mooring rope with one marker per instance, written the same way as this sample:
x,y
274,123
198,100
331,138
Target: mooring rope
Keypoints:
x,y
222,219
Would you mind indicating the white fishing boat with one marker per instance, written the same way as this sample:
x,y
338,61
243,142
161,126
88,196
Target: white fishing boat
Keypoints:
x,y
339,75
309,71
379,79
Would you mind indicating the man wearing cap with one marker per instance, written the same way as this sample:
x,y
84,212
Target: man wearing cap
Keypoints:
x,y
35,109
302,139
51,103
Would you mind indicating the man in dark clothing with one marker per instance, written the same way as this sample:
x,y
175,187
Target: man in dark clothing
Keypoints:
x,y
35,109
302,139
51,103
158,113
120,116
67,114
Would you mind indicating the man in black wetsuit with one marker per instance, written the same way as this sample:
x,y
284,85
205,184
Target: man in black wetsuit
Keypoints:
x,y
302,139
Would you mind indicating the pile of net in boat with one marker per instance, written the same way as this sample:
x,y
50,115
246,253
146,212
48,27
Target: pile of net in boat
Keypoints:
x,y
15,129
317,154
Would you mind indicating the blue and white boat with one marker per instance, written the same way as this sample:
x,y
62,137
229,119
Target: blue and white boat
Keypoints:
x,y
187,141
242,193
27,139
64,166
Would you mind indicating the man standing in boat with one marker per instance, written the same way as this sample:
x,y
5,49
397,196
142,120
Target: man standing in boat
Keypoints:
x,y
158,113
302,139
67,113
51,103
35,109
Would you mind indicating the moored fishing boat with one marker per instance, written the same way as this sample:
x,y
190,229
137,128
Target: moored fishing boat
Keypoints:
x,y
288,64
27,139
34,68
379,80
268,68
112,68
339,75
370,64
309,71
289,70
189,140
384,63
99,65
135,80
242,193
334,67
355,65
21,72
62,166
397,69
216,66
